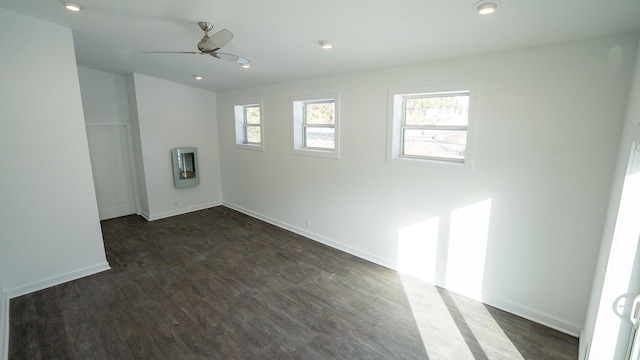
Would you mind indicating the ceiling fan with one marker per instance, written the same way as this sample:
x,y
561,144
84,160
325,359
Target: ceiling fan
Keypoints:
x,y
209,45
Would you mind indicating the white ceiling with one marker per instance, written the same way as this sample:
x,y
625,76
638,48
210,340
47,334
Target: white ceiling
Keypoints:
x,y
281,37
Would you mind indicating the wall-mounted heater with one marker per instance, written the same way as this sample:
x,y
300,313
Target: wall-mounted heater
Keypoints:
x,y
185,167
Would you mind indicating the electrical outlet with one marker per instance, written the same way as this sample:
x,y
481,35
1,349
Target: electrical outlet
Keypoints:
x,y
176,203
307,223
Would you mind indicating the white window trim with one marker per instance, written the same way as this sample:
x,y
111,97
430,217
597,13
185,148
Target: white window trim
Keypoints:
x,y
394,131
297,128
238,113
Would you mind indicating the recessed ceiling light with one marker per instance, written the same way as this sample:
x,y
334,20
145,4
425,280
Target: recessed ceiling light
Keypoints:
x,y
486,7
72,7
326,44
197,77
246,66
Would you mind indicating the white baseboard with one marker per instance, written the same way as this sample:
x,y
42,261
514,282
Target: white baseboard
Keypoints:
x,y
5,296
533,315
4,324
583,346
144,215
152,217
56,280
115,212
497,302
313,236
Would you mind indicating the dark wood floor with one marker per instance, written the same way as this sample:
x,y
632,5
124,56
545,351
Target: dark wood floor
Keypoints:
x,y
217,284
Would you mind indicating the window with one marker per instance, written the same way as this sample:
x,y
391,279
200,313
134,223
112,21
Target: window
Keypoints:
x,y
431,125
315,124
251,117
318,124
248,119
434,126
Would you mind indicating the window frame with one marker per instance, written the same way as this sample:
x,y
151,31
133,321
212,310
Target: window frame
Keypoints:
x,y
242,125
300,125
397,121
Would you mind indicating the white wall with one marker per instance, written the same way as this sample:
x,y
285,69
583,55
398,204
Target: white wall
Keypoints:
x,y
143,200
107,116
612,332
171,115
49,227
545,148
104,96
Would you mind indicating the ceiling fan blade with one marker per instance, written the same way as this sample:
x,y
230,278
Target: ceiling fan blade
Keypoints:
x,y
219,39
230,57
173,52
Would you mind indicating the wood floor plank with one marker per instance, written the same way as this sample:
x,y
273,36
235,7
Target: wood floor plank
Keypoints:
x,y
217,284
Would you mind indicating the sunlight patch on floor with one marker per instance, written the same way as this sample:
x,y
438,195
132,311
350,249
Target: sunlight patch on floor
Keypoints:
x,y
452,330
438,330
456,260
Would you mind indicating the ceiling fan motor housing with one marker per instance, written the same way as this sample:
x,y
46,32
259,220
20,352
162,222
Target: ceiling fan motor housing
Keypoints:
x,y
205,46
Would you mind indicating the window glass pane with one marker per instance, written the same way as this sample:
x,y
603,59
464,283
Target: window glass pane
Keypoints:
x,y
443,110
253,114
319,113
435,143
253,134
319,137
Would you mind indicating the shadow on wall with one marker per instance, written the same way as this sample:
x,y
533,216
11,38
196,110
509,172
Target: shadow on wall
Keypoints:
x,y
448,250
451,250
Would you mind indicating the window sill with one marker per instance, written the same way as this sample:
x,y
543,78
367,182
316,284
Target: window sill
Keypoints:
x,y
330,154
254,147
